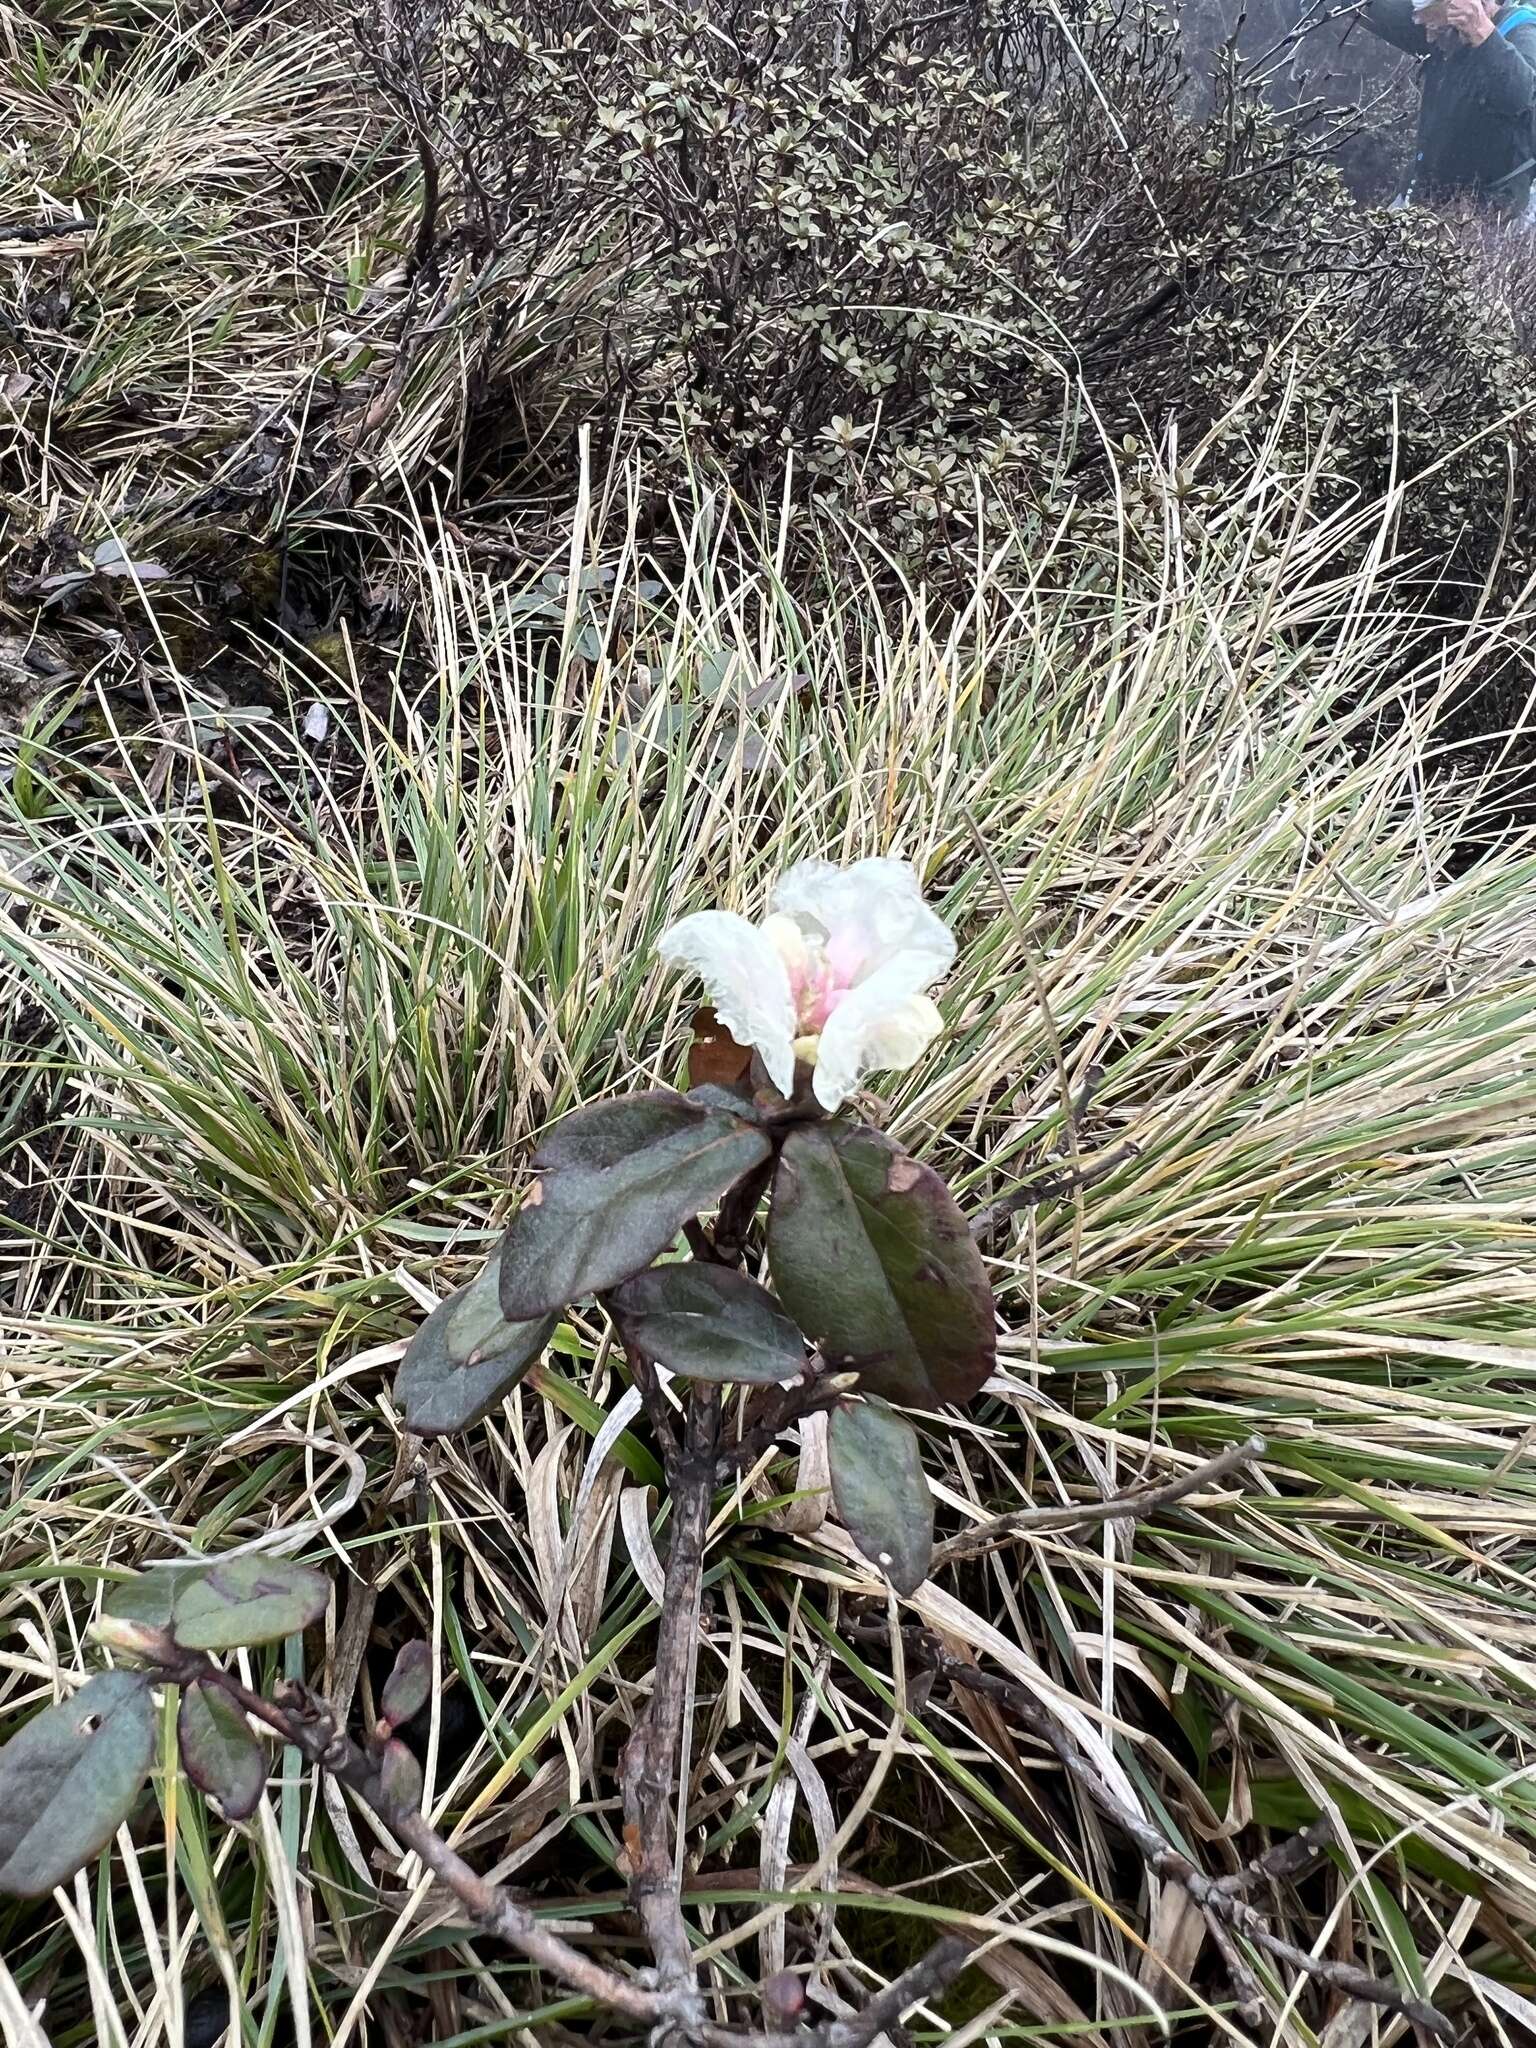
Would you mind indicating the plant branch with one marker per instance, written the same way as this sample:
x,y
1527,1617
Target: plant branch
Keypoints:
x,y
1132,1506
818,1390
309,1723
1047,1183
663,1426
700,1243
1286,1859
1220,1899
649,1770
299,1716
930,1974
737,1211
933,1972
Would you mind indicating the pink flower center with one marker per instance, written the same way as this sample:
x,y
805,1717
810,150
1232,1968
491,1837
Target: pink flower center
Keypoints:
x,y
819,986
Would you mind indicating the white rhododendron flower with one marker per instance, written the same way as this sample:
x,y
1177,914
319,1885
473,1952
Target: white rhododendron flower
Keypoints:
x,y
835,976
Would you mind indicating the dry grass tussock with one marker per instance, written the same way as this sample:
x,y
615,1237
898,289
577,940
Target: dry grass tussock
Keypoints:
x,y
282,1013
204,369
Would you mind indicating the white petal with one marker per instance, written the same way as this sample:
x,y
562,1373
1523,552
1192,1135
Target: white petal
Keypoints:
x,y
745,978
899,1039
868,913
787,938
879,1027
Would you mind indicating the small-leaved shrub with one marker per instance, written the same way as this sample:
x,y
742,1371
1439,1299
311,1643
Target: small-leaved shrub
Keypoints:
x,y
928,261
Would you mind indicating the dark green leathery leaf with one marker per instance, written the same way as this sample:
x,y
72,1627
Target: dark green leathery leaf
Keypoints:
x,y
465,1358
238,1602
69,1779
737,1100
615,1184
875,1262
149,1597
875,1462
218,1751
475,1324
708,1323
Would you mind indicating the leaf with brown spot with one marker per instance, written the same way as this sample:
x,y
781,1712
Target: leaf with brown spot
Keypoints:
x,y
874,1261
68,1781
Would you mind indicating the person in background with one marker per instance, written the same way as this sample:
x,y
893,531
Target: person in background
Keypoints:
x,y
1477,116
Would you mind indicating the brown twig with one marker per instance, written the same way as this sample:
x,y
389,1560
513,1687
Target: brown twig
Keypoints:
x,y
1132,1506
648,1773
1047,1183
1286,1859
700,1243
933,1972
663,1424
1246,1988
928,1975
300,1717
310,1724
1220,1899
785,1405
737,1211
423,250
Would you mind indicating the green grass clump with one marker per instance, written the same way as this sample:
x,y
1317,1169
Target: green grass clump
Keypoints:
x,y
281,1015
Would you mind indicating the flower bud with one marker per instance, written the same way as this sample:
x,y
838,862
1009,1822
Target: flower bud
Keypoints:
x,y
783,1997
400,1775
138,1639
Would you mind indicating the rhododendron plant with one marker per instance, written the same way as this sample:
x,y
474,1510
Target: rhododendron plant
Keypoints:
x,y
828,1279
831,1275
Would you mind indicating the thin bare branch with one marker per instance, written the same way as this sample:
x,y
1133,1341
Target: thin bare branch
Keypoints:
x,y
1140,1502
298,1716
1218,1899
649,1773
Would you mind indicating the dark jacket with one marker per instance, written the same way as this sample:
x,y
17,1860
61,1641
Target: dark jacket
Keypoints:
x,y
1477,119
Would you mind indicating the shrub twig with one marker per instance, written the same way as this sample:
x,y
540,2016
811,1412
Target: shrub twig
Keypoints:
x,y
670,2005
1137,1502
299,1716
653,1770
1221,1900
649,1770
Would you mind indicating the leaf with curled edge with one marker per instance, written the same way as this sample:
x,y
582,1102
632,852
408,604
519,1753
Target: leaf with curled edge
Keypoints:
x,y
616,1183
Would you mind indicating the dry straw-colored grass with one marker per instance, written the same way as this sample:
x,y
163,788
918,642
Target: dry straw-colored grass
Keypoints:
x,y
282,1015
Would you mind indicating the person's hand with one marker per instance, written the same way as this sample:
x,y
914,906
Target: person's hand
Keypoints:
x,y
1467,19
